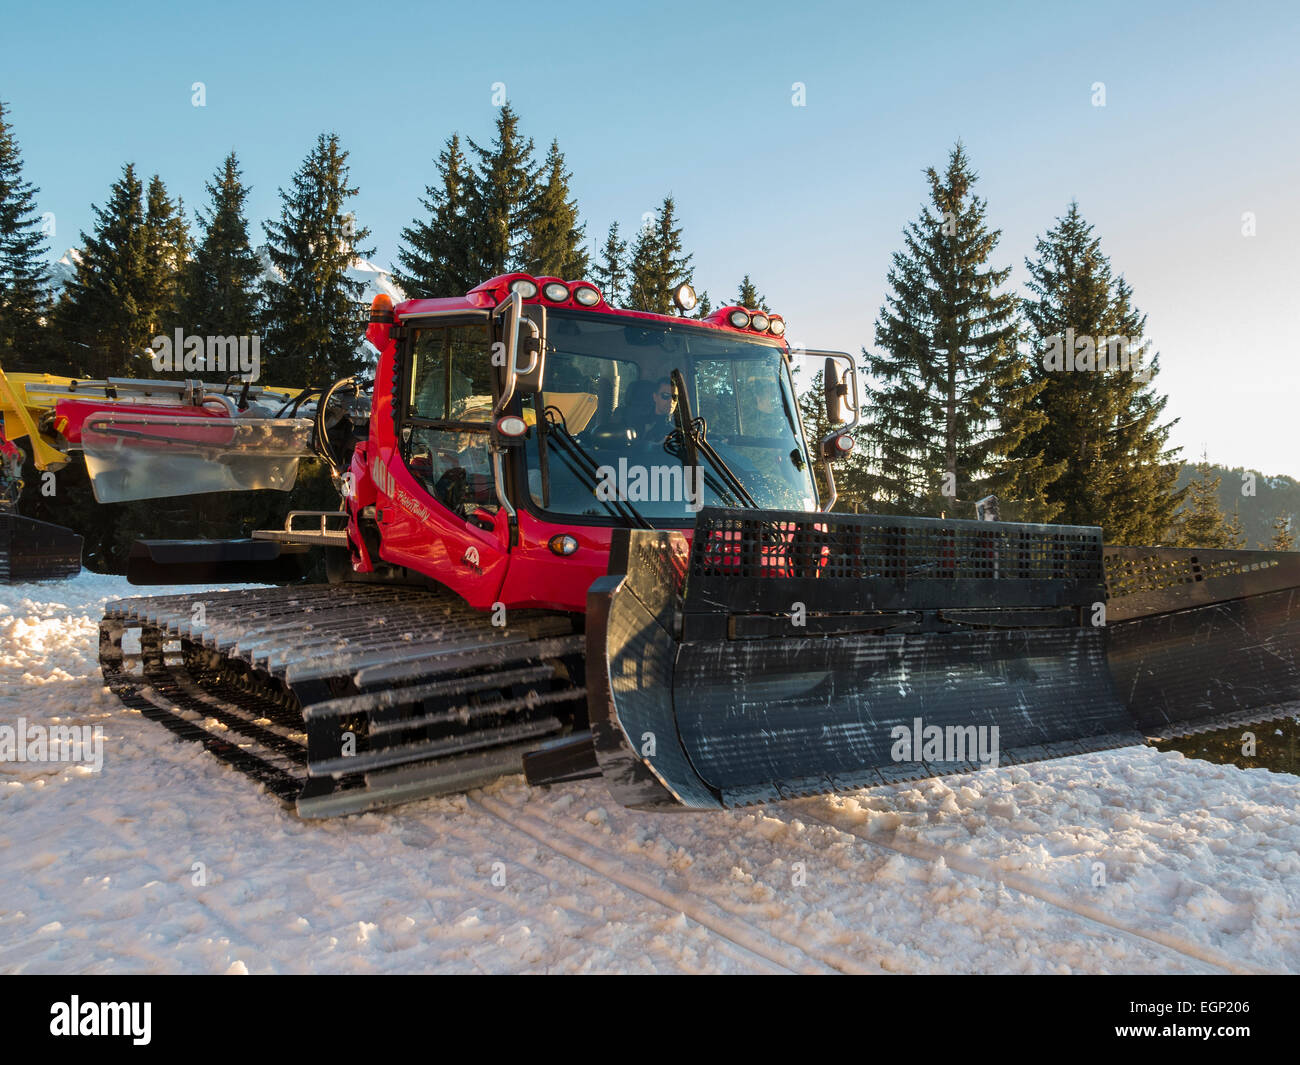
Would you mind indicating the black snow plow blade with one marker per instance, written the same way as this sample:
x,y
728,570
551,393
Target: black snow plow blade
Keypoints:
x,y
341,698
33,550
1201,640
784,654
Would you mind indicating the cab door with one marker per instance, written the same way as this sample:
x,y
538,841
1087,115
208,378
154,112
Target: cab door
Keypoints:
x,y
444,520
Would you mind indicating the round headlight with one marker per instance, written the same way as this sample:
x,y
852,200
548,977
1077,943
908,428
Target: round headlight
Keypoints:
x,y
525,286
556,291
512,425
760,322
739,318
586,295
684,297
777,328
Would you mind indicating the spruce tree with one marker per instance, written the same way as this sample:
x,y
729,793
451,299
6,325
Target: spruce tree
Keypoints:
x,y
1283,535
221,287
748,296
1101,420
659,262
1236,532
167,248
640,269
313,314
24,277
1201,522
504,193
951,405
104,318
1022,475
674,262
554,242
439,256
610,271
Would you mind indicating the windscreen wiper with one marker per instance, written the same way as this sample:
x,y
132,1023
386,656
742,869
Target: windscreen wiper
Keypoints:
x,y
581,462
695,440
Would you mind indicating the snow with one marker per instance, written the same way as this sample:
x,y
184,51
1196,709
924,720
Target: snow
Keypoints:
x,y
64,272
376,279
166,861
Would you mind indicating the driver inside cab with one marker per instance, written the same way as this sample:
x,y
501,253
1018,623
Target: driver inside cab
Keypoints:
x,y
650,406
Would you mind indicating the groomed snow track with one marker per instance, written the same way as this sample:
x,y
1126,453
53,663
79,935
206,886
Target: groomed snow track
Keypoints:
x,y
340,698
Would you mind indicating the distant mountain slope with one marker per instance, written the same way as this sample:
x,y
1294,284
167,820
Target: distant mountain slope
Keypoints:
x,y
1275,495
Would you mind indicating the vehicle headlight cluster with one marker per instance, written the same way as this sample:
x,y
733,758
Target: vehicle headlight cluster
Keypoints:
x,y
584,294
760,321
553,290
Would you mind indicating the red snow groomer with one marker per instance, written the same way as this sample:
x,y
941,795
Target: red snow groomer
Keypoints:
x,y
583,540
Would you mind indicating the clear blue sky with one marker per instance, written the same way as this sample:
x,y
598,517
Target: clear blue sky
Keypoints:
x,y
1200,125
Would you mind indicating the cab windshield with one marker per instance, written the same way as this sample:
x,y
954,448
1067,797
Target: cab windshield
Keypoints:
x,y
611,430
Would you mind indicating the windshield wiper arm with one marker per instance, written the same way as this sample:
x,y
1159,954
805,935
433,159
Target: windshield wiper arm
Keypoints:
x,y
694,442
682,412
585,466
735,483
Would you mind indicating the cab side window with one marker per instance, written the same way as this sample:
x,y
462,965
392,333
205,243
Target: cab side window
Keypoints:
x,y
445,426
451,374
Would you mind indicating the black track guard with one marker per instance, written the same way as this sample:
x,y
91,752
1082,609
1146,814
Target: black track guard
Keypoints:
x,y
706,691
160,562
32,550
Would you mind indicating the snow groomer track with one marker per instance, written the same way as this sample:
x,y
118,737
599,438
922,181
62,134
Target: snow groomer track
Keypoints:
x,y
339,698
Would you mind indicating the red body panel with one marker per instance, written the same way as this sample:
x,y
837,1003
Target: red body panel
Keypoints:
x,y
539,577
419,532
358,493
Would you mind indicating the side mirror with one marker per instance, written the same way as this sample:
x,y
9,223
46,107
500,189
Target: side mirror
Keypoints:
x,y
840,391
834,392
523,335
530,355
